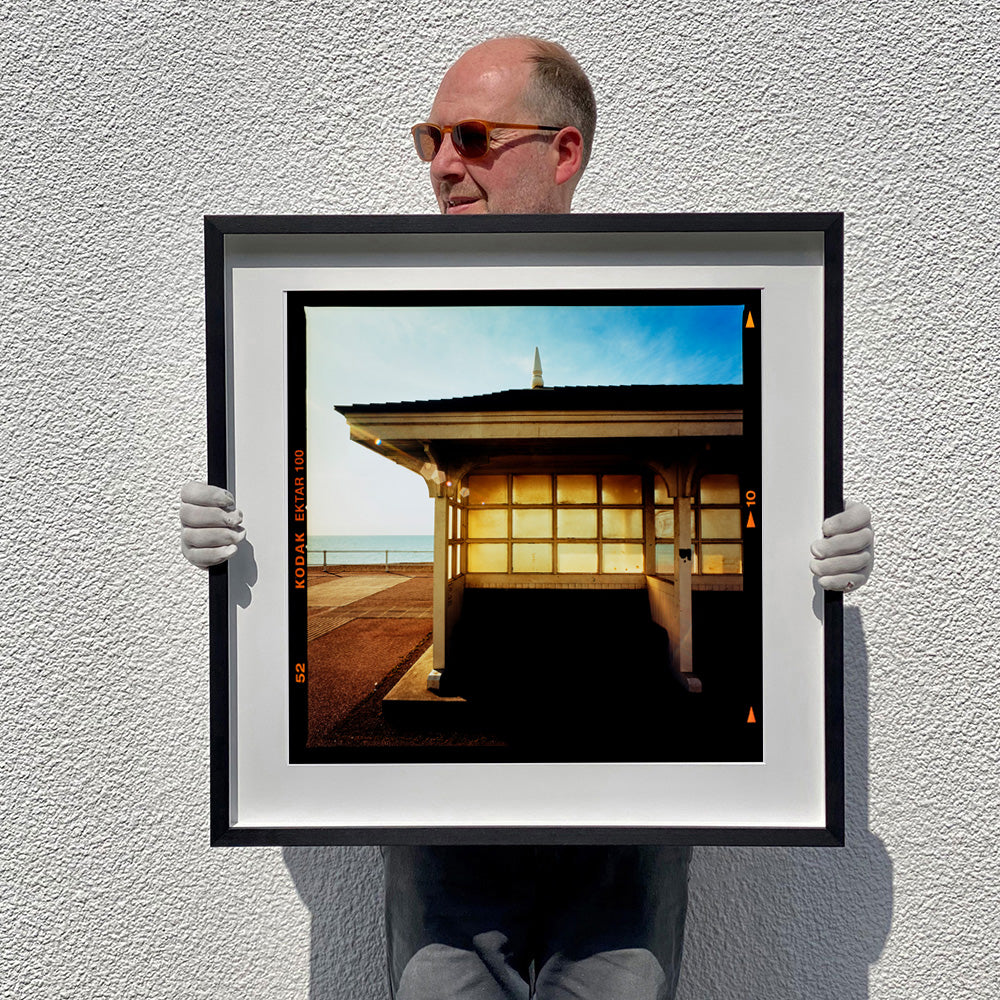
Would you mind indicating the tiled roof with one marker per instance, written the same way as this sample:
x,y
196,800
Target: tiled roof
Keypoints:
x,y
571,397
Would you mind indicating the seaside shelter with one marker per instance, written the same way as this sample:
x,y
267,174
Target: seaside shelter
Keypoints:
x,y
587,488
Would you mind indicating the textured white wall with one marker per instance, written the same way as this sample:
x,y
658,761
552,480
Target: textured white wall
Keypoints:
x,y
122,123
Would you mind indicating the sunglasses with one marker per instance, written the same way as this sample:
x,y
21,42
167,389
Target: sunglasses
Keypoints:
x,y
471,138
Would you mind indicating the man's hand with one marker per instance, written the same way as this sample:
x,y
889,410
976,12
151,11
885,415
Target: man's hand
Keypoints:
x,y
845,554
211,526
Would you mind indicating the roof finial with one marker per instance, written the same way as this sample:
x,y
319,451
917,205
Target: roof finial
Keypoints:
x,y
536,374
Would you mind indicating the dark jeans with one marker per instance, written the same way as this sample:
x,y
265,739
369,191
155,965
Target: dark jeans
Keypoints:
x,y
499,923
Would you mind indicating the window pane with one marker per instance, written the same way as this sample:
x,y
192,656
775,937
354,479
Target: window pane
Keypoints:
x,y
665,558
721,559
664,524
532,558
577,523
622,523
487,524
671,523
720,524
576,489
451,562
577,558
660,492
621,489
487,489
532,489
488,558
622,557
532,523
720,489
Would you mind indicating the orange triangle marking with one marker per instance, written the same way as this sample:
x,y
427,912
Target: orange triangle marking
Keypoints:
x,y
750,521
751,717
750,323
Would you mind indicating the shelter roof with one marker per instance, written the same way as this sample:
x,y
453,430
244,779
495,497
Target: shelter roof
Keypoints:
x,y
570,398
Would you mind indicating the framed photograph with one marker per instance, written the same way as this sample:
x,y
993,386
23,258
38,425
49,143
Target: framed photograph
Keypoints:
x,y
528,504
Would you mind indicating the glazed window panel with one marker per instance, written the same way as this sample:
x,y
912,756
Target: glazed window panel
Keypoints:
x,y
532,523
665,558
622,557
664,522
555,523
621,524
621,489
487,557
720,524
487,489
719,488
665,525
487,524
532,489
577,523
532,557
576,489
661,495
576,557
721,558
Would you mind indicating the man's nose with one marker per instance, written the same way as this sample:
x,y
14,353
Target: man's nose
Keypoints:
x,y
447,163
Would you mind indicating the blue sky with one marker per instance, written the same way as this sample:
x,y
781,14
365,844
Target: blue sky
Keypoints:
x,y
369,354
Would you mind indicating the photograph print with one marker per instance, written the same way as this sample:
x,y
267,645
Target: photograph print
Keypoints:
x,y
525,526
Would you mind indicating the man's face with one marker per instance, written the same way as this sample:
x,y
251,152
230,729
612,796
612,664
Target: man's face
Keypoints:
x,y
517,174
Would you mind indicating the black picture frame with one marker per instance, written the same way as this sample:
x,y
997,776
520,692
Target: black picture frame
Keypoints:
x,y
298,243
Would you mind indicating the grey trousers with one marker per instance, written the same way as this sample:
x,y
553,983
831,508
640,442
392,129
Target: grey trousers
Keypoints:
x,y
554,923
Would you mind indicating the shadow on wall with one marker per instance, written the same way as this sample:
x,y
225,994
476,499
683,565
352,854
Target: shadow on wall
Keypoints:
x,y
787,923
342,887
780,923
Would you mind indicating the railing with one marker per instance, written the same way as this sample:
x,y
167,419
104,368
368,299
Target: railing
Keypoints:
x,y
356,552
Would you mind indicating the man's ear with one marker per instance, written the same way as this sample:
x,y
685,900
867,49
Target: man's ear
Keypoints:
x,y
568,146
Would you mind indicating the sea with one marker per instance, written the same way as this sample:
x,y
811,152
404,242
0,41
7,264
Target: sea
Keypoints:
x,y
355,549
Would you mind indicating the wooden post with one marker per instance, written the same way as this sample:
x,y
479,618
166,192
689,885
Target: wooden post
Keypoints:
x,y
440,613
684,659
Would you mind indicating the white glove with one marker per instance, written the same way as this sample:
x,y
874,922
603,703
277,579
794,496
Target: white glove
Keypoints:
x,y
845,554
211,526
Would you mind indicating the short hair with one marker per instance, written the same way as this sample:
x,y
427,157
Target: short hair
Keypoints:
x,y
559,92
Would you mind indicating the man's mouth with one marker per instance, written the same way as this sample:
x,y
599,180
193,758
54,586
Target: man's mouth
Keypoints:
x,y
458,203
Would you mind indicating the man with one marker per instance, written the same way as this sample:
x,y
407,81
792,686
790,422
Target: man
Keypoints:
x,y
510,131
511,81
